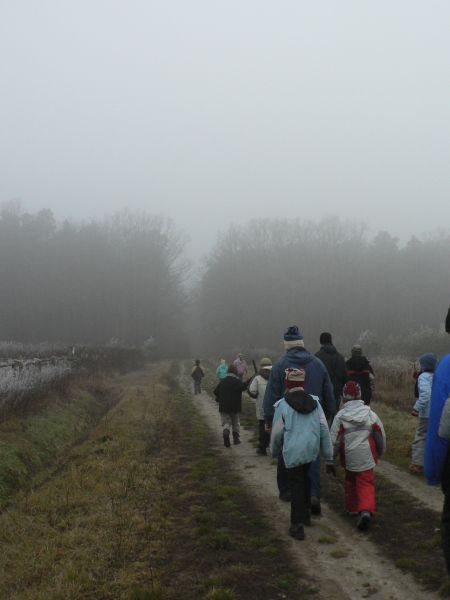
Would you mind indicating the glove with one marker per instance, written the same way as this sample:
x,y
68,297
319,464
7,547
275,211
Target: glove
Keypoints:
x,y
331,470
414,413
267,428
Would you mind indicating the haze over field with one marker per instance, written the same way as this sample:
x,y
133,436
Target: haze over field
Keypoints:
x,y
217,112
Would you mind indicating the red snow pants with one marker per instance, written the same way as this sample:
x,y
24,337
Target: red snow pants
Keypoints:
x,y
359,491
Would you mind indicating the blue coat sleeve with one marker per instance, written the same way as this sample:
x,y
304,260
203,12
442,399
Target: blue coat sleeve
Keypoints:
x,y
436,447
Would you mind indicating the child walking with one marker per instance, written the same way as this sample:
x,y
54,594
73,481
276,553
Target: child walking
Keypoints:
x,y
256,390
228,394
357,435
299,432
197,375
422,409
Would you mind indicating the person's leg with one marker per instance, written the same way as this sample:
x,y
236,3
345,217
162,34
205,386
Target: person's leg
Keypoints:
x,y
297,478
236,425
351,502
365,491
226,421
445,519
262,438
314,481
418,446
282,479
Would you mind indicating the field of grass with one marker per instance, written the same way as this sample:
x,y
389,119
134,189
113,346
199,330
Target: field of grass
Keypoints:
x,y
144,509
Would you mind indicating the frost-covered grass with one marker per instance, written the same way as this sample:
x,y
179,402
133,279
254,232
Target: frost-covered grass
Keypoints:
x,y
11,349
21,382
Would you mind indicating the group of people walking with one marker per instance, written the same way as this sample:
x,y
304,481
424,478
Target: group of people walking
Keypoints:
x,y
310,405
297,400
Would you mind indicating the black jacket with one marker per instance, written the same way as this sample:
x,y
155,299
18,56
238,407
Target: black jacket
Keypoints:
x,y
360,370
335,364
228,393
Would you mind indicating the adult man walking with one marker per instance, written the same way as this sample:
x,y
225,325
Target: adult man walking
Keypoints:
x,y
316,381
335,364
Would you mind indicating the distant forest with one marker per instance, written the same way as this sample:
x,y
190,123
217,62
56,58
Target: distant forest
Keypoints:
x,y
126,278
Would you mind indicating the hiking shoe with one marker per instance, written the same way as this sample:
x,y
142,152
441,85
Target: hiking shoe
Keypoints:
x,y
316,509
236,439
416,469
285,496
363,522
297,531
226,438
307,521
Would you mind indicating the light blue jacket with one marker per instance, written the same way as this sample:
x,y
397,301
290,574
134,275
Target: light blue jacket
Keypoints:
x,y
300,430
422,405
222,370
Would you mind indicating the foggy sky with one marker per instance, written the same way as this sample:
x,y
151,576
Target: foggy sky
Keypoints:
x,y
212,112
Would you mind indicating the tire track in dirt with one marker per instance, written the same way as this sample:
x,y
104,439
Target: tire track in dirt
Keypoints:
x,y
349,568
430,496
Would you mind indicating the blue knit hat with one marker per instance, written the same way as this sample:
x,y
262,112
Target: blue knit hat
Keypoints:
x,y
292,334
428,361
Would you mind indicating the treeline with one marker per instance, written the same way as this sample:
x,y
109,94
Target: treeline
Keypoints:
x,y
123,282
326,276
88,283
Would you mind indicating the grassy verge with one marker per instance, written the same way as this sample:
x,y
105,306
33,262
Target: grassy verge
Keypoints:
x,y
145,509
400,428
28,444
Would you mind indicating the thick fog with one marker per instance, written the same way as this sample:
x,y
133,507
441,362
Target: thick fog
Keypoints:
x,y
216,112
303,147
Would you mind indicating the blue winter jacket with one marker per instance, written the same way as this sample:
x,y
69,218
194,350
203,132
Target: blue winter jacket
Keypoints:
x,y
436,447
317,381
300,430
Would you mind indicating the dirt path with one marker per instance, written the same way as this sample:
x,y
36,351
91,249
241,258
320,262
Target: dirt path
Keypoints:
x,y
430,496
341,562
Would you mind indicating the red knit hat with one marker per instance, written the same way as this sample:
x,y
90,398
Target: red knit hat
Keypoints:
x,y
294,378
351,391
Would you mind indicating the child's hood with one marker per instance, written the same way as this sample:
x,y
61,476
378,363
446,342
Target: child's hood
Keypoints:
x,y
300,401
355,411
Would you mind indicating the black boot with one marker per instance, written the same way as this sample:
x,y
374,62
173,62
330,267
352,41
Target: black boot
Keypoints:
x,y
226,438
236,438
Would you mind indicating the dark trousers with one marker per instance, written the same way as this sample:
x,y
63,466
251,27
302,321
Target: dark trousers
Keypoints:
x,y
263,436
445,519
446,531
197,386
282,476
300,493
313,476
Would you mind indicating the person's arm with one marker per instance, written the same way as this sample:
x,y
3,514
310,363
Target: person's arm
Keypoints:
x,y
273,394
379,437
424,391
253,389
329,402
335,435
325,443
276,436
